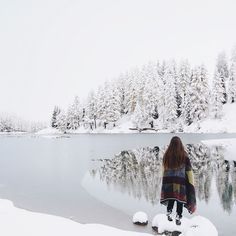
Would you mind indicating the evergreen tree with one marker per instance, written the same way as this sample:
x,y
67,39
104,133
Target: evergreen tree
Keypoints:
x,y
150,93
6,123
177,86
62,122
105,103
232,78
204,91
113,107
74,114
55,114
217,96
223,72
91,110
199,94
122,90
139,116
101,106
70,118
184,76
161,70
160,102
135,85
127,92
170,96
159,91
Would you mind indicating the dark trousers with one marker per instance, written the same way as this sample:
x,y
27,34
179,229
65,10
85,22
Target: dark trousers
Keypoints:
x,y
179,208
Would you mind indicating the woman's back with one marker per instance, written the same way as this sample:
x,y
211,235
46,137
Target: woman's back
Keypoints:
x,y
177,181
174,184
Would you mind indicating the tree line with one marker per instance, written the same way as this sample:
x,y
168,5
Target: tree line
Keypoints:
x,y
12,123
159,95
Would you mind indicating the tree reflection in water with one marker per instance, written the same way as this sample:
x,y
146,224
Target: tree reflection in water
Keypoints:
x,y
139,173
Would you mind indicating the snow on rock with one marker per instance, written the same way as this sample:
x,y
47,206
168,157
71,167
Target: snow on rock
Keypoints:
x,y
19,222
201,226
140,218
195,226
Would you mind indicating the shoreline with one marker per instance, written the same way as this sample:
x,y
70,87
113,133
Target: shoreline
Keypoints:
x,y
17,221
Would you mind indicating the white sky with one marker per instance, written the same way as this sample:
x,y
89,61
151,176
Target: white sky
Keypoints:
x,y
51,50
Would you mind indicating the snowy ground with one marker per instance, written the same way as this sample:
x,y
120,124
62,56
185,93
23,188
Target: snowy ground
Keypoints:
x,y
18,222
15,221
228,144
226,124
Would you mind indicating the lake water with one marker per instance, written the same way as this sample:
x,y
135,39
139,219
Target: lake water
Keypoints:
x,y
106,178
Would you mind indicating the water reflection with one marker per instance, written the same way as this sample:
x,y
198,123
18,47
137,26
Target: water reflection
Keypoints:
x,y
139,173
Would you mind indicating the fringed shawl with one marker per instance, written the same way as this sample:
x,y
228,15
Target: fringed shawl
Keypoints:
x,y
178,184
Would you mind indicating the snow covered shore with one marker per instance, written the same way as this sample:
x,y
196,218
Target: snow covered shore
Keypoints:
x,y
226,124
228,145
12,133
19,222
15,221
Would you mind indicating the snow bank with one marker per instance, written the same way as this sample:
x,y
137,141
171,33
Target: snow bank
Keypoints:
x,y
49,131
226,124
140,218
229,146
229,142
195,226
15,221
13,133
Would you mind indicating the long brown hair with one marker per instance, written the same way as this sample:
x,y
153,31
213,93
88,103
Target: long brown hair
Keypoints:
x,y
175,154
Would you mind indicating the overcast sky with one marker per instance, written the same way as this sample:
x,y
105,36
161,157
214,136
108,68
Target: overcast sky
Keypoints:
x,y
51,50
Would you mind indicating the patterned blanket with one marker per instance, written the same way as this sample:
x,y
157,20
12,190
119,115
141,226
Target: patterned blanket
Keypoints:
x,y
178,184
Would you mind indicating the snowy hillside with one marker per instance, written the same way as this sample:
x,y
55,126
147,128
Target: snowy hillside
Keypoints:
x,y
165,96
226,124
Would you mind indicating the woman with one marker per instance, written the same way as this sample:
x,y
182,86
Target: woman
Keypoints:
x,y
177,182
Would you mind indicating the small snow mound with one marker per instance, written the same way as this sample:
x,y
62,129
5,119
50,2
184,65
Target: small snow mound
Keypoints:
x,y
201,226
195,226
140,218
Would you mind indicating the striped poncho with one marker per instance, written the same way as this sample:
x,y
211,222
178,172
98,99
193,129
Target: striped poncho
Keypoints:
x,y
178,184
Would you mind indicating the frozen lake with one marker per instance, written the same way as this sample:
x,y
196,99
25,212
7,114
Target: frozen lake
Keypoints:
x,y
106,178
